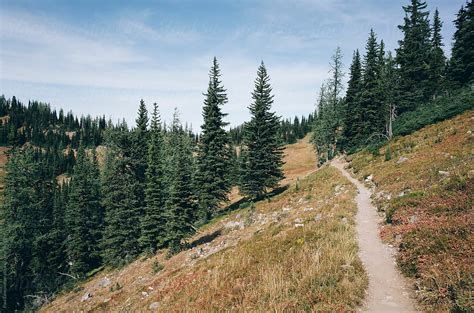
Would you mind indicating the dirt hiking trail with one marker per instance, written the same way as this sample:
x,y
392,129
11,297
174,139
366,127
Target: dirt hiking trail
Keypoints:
x,y
387,290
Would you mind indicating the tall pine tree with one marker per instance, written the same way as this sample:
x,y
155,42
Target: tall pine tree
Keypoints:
x,y
353,113
181,201
262,169
370,100
122,213
413,57
153,220
461,64
138,154
437,59
82,217
213,153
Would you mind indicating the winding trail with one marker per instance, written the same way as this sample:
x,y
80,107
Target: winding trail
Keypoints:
x,y
387,290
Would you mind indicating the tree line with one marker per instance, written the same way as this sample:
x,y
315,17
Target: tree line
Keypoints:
x,y
290,130
385,92
146,189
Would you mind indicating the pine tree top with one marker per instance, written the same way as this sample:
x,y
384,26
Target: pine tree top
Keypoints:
x,y
142,119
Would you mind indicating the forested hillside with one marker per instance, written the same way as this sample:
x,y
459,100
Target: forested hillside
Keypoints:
x,y
388,94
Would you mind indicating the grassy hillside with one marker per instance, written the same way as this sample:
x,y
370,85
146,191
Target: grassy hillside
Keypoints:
x,y
296,251
424,186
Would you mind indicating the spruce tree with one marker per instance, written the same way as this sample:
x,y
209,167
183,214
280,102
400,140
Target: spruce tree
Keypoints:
x,y
153,220
261,139
21,206
353,113
413,57
461,64
181,200
437,59
138,154
82,215
122,225
370,100
213,152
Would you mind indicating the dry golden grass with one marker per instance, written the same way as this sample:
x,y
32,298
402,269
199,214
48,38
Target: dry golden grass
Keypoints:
x,y
300,160
429,205
294,252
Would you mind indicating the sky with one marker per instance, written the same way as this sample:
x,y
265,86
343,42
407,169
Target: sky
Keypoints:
x,y
102,57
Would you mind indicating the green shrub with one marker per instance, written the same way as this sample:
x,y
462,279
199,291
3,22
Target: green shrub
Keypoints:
x,y
435,111
388,154
156,266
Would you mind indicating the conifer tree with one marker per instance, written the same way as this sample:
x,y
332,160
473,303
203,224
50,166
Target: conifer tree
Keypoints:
x,y
437,58
119,199
82,217
353,112
461,64
327,131
181,201
261,138
122,224
138,153
213,152
20,213
413,57
153,221
370,101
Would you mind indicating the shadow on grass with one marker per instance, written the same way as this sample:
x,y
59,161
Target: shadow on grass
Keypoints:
x,y
246,202
242,203
205,239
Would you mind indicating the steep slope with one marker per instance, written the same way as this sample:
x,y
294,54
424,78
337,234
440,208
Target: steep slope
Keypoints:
x,y
295,251
388,291
424,187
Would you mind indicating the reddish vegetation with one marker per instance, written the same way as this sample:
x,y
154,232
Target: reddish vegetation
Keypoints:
x,y
428,202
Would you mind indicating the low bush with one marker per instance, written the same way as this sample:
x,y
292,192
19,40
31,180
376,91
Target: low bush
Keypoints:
x,y
435,111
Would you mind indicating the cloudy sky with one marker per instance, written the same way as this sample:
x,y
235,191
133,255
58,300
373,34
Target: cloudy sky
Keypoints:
x,y
102,57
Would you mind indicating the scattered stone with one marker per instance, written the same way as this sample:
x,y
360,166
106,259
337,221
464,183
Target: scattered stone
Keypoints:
x,y
150,288
154,306
402,159
369,178
308,209
234,225
286,209
299,225
443,173
144,294
470,174
107,300
86,296
298,220
344,220
104,282
413,219
469,132
318,217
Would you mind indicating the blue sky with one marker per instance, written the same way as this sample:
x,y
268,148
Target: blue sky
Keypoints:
x,y
102,57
